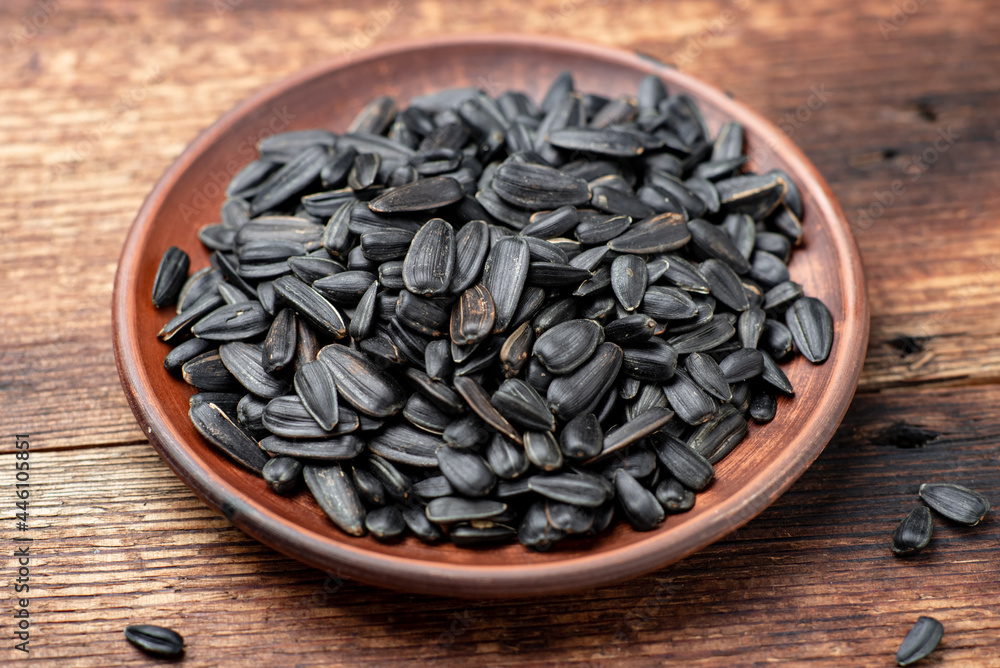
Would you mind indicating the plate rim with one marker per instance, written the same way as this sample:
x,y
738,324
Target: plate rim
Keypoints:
x,y
571,574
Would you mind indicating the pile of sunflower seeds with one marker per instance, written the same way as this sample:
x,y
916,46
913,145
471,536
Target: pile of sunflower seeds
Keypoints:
x,y
486,320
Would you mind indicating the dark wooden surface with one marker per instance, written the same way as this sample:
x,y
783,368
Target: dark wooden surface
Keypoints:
x,y
98,98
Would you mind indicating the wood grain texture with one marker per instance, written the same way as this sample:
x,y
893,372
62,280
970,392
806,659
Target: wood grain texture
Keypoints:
x,y
87,127
811,579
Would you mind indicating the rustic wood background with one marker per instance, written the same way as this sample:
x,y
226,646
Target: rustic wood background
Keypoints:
x,y
98,97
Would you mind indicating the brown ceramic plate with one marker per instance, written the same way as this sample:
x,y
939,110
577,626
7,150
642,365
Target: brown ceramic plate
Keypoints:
x,y
190,193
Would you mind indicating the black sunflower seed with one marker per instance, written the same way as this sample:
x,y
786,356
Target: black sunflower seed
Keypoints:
x,y
639,427
568,345
688,400
170,276
715,438
402,444
336,448
293,177
590,259
674,496
337,496
957,503
683,463
811,326
752,194
427,317
440,393
422,412
548,224
507,459
920,641
208,373
430,262
705,371
220,430
913,533
742,365
582,438
155,640
504,275
767,269
725,285
184,353
601,228
750,325
283,474
386,523
437,359
472,316
315,386
519,403
580,391
609,142
467,472
362,384
641,508
628,280
774,376
651,362
311,305
385,245
535,531
451,509
233,322
538,187
433,488
663,303
543,450
286,416
280,343
630,330
516,349
244,361
481,404
465,433
763,406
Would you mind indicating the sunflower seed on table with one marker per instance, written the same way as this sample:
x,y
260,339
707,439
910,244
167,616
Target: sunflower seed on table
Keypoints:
x,y
957,503
601,273
155,640
913,533
922,638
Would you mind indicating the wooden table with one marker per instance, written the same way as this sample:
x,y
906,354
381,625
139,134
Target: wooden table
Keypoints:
x,y
895,102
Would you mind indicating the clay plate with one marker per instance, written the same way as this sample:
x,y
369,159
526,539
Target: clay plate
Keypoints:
x,y
189,194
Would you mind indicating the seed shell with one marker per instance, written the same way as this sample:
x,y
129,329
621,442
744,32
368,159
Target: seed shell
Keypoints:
x,y
957,503
920,641
337,496
155,640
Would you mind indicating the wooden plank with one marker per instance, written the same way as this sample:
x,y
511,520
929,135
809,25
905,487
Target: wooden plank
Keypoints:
x,y
120,540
